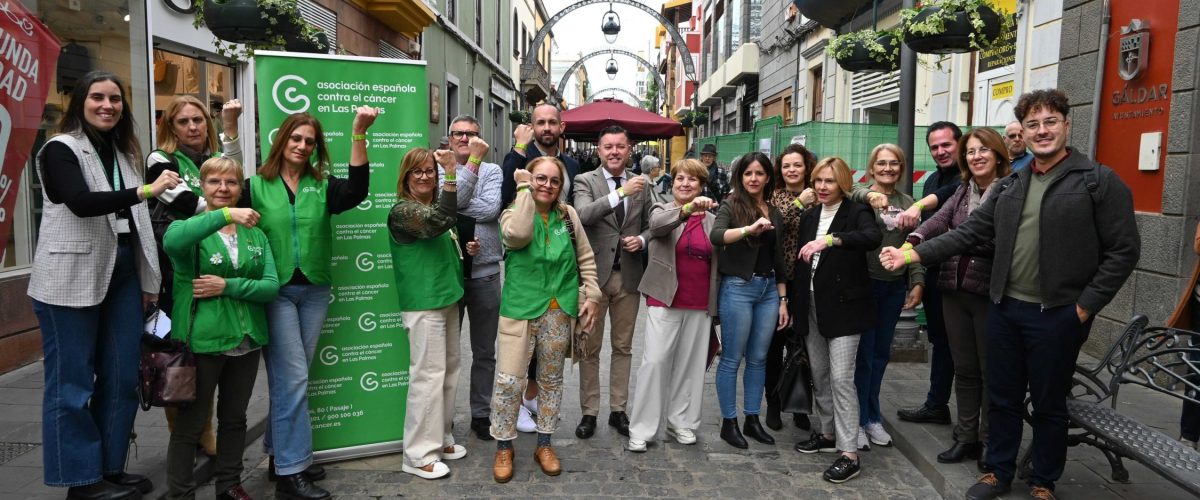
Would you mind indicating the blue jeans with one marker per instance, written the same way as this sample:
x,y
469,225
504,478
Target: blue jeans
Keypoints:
x,y
875,347
1029,347
749,311
294,321
91,372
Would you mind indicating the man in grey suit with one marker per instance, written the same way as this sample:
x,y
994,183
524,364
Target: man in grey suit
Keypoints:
x,y
614,207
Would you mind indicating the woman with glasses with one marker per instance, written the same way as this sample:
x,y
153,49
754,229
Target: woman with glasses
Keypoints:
x,y
226,279
791,198
295,196
753,297
892,290
428,266
681,287
838,307
550,288
965,281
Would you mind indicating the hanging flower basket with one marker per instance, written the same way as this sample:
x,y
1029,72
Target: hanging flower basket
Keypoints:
x,y
830,13
313,43
251,21
866,51
686,121
954,26
518,117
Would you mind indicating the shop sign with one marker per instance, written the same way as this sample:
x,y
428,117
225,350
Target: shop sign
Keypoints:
x,y
28,56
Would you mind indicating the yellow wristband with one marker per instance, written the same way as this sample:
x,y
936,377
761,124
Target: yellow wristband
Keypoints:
x,y
521,147
829,240
687,208
449,178
620,192
228,216
920,206
798,203
358,137
523,188
231,138
744,232
906,246
474,159
908,256
149,193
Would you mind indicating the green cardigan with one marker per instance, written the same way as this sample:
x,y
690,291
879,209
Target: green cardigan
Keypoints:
x,y
221,322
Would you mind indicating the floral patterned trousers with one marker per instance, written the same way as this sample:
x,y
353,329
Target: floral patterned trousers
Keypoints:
x,y
549,337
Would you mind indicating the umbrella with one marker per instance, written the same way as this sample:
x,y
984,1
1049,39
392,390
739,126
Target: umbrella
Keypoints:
x,y
585,122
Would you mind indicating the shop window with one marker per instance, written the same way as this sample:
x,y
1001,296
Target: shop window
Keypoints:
x,y
177,74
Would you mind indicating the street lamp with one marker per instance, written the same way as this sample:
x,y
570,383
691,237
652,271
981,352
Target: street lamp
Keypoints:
x,y
611,25
611,69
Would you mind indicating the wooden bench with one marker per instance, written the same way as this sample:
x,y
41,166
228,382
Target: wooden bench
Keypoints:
x,y
1164,360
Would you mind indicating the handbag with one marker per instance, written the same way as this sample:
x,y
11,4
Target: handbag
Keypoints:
x,y
167,372
795,384
714,343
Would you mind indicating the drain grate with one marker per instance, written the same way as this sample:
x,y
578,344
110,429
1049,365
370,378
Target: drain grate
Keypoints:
x,y
9,451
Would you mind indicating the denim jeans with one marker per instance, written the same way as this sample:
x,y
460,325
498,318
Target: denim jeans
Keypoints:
x,y
294,322
1036,348
749,311
91,372
875,347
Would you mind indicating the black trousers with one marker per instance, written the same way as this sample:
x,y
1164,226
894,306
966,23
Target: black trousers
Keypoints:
x,y
1189,419
234,375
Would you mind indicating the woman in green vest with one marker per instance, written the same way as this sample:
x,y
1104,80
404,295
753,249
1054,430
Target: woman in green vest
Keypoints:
x,y
225,277
295,195
549,287
187,137
428,266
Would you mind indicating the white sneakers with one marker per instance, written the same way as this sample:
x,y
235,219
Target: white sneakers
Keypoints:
x,y
434,470
877,435
454,452
525,421
682,436
636,445
864,443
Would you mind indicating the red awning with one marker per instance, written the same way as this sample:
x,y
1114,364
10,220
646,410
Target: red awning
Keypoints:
x,y
585,122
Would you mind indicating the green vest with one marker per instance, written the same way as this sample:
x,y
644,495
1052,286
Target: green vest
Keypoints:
x,y
240,311
422,270
189,172
544,269
301,235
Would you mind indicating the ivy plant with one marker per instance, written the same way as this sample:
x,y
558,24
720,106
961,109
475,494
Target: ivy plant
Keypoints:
x,y
842,46
947,10
277,14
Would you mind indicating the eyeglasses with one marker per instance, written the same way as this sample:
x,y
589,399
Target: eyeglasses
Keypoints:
x,y
463,133
542,180
981,151
1049,123
425,173
887,163
1014,135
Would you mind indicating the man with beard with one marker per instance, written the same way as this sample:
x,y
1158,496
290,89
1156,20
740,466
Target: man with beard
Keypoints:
x,y
532,141
1015,143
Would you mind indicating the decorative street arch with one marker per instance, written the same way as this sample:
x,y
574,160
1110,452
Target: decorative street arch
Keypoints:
x,y
677,39
596,94
562,83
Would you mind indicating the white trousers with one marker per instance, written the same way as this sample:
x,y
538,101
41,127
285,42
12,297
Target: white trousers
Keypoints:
x,y
432,383
670,381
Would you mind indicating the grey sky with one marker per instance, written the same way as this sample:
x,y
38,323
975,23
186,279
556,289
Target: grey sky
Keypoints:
x,y
579,32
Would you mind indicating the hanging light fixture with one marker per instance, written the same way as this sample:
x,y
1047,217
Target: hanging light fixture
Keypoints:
x,y
611,69
611,25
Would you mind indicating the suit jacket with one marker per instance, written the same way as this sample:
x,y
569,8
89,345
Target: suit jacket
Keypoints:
x,y
660,280
600,223
514,160
841,286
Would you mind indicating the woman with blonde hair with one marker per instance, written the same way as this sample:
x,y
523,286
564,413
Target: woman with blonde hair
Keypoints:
x,y
834,307
226,278
681,285
550,287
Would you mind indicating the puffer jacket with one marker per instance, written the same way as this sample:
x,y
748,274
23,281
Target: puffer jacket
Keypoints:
x,y
975,275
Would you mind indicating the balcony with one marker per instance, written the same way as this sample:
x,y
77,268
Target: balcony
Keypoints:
x,y
724,81
407,17
535,83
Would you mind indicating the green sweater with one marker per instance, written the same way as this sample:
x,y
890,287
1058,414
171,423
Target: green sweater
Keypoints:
x,y
221,322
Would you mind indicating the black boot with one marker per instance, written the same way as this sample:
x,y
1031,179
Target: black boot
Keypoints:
x,y
960,451
755,430
732,435
103,490
135,481
981,463
298,487
314,472
801,421
773,419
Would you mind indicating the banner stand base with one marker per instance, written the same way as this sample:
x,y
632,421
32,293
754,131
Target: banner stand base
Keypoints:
x,y
350,453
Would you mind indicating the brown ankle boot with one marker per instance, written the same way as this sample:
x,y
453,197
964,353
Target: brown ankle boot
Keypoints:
x,y
546,458
502,469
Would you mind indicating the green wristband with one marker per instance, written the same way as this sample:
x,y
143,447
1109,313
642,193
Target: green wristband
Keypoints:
x,y
147,191
474,159
228,216
829,240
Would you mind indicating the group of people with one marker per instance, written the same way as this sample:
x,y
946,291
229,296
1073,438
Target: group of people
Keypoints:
x,y
785,253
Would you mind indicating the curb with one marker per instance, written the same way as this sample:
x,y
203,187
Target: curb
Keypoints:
x,y
205,465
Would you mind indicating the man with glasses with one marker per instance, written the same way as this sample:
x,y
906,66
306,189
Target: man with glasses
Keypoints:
x,y
1066,241
539,139
479,206
614,208
1016,146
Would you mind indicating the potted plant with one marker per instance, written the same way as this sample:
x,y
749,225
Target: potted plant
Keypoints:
x,y
830,13
250,21
953,26
866,50
518,117
310,39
